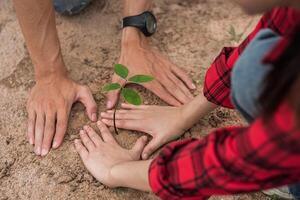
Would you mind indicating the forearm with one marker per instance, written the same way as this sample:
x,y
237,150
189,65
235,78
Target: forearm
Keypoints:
x,y
131,35
37,21
196,109
132,174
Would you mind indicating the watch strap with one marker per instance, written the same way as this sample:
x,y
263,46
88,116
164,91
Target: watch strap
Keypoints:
x,y
136,21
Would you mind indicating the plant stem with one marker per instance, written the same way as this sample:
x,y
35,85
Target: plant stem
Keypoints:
x,y
117,105
115,110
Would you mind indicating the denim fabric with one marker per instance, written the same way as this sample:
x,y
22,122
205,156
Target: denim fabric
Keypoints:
x,y
70,7
248,76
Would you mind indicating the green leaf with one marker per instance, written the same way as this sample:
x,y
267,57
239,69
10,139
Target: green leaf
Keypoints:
x,y
131,96
111,86
141,79
121,70
232,31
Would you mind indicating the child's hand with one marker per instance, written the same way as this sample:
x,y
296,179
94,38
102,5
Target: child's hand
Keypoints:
x,y
163,123
100,154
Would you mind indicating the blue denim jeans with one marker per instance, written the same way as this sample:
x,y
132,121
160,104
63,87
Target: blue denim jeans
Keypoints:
x,y
248,76
70,7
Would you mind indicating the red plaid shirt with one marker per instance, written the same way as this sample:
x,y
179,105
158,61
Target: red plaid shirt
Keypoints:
x,y
237,159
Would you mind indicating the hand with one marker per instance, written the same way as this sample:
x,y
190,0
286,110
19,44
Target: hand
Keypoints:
x,y
171,83
48,107
163,123
101,154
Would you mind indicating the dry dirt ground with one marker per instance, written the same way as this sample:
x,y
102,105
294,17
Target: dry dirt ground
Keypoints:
x,y
191,33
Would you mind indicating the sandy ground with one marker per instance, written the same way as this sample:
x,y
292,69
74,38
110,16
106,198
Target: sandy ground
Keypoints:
x,y
191,33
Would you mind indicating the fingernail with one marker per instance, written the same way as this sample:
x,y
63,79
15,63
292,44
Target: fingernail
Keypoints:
x,y
31,141
145,156
44,152
38,151
145,138
55,144
94,117
193,86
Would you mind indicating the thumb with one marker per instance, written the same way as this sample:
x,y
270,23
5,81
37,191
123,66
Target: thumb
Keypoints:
x,y
153,145
85,96
112,97
138,147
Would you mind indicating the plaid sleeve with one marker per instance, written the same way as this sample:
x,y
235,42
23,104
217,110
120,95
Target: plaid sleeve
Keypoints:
x,y
230,160
217,79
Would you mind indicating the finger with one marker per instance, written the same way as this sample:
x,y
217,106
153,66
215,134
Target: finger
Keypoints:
x,y
157,89
181,86
153,145
48,133
138,147
134,107
31,126
39,132
125,124
174,90
85,96
61,127
81,149
87,142
112,97
93,135
105,133
184,77
121,114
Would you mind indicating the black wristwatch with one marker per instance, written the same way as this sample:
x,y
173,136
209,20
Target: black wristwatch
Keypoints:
x,y
145,22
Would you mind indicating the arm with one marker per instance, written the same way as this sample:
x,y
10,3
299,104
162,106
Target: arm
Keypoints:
x,y
217,84
230,160
171,83
37,21
137,180
227,161
153,120
51,98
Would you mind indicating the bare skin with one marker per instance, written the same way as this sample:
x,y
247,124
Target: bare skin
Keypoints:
x,y
48,114
101,153
163,123
51,98
171,83
150,117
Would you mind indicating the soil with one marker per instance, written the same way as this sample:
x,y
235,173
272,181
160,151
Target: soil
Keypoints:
x,y
191,33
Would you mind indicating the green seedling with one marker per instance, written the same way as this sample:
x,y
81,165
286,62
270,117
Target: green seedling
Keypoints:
x,y
233,35
129,95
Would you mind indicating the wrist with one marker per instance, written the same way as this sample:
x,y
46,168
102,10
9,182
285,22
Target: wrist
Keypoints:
x,y
53,72
196,109
132,36
136,179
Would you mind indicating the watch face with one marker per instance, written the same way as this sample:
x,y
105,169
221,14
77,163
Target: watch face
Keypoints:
x,y
151,24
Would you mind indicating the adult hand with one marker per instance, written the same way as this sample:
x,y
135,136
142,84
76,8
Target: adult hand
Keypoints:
x,y
171,83
48,108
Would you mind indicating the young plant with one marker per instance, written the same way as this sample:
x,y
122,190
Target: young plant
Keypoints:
x,y
130,95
